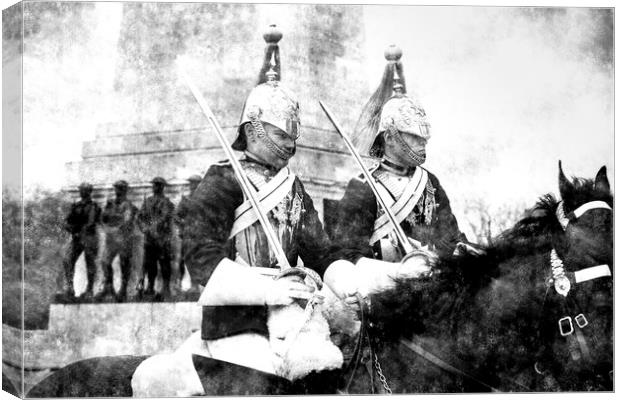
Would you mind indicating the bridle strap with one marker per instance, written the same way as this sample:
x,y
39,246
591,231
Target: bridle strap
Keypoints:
x,y
595,272
564,219
416,348
357,352
590,206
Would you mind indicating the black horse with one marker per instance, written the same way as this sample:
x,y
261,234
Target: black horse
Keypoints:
x,y
497,321
479,323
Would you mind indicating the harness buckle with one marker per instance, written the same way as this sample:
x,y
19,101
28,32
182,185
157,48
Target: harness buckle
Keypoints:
x,y
566,326
581,320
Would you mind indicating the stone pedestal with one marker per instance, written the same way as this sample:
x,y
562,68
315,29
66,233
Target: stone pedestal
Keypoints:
x,y
80,331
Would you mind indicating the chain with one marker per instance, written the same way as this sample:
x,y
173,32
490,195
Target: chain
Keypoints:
x,y
418,159
381,376
560,280
271,145
557,266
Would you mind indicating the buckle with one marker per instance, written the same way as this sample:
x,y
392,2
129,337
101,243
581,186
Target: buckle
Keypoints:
x,y
581,320
566,326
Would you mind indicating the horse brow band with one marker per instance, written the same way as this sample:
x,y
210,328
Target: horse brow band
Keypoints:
x,y
590,206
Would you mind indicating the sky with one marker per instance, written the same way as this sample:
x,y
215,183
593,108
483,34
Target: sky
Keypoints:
x,y
508,93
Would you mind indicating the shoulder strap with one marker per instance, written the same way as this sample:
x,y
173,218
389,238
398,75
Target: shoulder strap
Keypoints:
x,y
403,206
269,195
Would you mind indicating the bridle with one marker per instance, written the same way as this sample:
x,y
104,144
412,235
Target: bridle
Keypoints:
x,y
565,219
559,279
364,354
562,281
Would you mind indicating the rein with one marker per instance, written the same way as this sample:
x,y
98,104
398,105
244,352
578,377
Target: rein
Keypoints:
x,y
358,355
302,272
560,278
416,348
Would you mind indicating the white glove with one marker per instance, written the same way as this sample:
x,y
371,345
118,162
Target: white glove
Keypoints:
x,y
342,279
464,248
416,265
232,283
370,276
286,290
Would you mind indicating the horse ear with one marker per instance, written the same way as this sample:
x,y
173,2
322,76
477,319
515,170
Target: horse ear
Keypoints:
x,y
601,182
565,185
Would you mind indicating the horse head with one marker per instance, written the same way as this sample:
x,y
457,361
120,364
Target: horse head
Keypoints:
x,y
586,216
502,310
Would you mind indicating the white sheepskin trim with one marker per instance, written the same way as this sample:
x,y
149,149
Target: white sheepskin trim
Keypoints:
x,y
311,350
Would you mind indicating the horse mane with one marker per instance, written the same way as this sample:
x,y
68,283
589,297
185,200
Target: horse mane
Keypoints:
x,y
402,310
456,279
531,233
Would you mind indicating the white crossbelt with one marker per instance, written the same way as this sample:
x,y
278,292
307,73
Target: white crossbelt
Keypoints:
x,y
269,195
402,207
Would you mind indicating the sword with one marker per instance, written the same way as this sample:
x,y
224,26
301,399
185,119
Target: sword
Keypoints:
x,y
400,234
248,190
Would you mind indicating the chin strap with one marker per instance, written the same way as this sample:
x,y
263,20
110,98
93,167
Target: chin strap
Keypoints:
x,y
271,145
395,168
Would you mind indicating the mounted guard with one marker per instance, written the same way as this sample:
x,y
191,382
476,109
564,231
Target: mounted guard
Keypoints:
x,y
397,129
248,222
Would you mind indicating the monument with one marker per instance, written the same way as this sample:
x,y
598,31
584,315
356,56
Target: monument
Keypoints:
x,y
156,127
153,127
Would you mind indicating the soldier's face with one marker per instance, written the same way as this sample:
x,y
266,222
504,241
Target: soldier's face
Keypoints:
x,y
120,192
158,188
85,193
395,151
263,149
192,186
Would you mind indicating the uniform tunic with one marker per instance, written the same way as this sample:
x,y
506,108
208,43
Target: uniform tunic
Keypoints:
x,y
206,241
179,218
431,222
118,220
181,213
119,215
82,222
155,221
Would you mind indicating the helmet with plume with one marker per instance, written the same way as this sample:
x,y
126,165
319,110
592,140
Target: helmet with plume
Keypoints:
x,y
270,101
390,108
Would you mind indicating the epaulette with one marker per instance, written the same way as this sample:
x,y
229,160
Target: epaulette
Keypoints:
x,y
223,163
373,168
361,178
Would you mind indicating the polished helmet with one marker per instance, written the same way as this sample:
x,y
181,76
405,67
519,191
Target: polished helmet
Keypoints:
x,y
390,108
270,101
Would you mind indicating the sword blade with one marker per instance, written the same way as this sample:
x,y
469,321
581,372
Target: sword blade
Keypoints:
x,y
248,190
400,234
